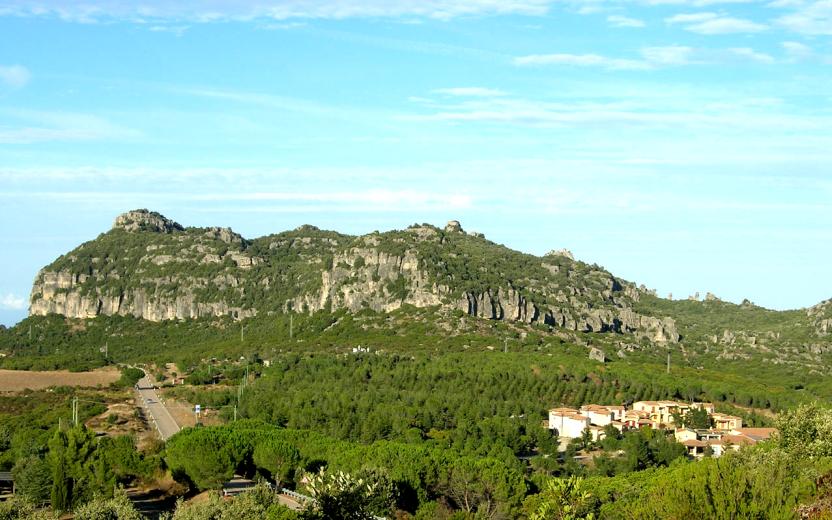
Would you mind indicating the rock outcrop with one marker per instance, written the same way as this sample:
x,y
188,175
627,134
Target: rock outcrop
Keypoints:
x,y
821,316
152,268
144,220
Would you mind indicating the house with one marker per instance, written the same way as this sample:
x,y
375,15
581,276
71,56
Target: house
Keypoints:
x,y
755,434
647,407
685,434
709,407
618,425
726,422
598,415
617,411
661,412
667,409
695,447
597,433
632,417
568,422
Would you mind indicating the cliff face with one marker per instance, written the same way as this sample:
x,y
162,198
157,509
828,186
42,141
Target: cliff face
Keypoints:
x,y
152,268
821,316
148,267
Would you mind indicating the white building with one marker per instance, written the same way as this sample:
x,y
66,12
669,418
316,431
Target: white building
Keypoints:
x,y
568,422
598,415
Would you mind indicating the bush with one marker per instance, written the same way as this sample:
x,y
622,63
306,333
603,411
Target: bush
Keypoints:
x,y
117,508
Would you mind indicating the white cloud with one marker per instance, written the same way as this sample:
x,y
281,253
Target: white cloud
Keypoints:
x,y
785,3
797,48
797,51
372,200
590,9
176,30
11,302
668,55
696,3
679,113
726,25
624,21
582,60
40,126
713,23
14,76
652,57
200,11
691,17
469,92
751,54
286,26
813,18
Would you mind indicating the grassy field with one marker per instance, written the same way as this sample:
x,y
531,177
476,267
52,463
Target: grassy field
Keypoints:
x,y
19,380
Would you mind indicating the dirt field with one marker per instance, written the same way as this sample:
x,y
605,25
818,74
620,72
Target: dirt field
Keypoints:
x,y
183,413
18,380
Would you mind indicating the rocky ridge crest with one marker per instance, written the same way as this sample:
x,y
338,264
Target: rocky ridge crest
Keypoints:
x,y
152,268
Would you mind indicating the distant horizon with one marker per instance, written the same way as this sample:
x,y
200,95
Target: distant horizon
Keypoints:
x,y
683,144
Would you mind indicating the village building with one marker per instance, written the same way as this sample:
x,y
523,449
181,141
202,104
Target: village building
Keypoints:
x,y
598,415
727,432
726,422
567,422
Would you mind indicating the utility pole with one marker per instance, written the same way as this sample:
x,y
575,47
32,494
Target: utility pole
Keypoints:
x,y
668,360
291,324
235,413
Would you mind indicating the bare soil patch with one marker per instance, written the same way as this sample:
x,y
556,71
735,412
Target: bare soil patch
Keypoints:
x,y
19,380
183,413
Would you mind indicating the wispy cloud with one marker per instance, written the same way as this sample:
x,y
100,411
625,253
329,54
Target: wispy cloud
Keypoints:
x,y
469,92
651,58
12,302
582,60
176,30
624,21
751,54
654,109
35,126
712,23
726,25
198,11
687,18
668,55
809,17
277,102
397,200
14,76
695,3
797,51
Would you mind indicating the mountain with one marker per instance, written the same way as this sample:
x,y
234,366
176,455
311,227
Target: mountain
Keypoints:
x,y
150,267
154,269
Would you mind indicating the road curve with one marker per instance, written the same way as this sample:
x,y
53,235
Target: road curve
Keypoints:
x,y
159,414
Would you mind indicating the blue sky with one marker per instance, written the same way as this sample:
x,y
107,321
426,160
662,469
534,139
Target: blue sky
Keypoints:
x,y
683,144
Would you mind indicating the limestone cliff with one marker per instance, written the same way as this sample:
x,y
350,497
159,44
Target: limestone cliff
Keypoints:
x,y
150,267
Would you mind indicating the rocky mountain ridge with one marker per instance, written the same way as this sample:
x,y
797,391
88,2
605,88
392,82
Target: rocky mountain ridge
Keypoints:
x,y
151,267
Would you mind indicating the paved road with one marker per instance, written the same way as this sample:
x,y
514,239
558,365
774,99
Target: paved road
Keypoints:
x,y
165,423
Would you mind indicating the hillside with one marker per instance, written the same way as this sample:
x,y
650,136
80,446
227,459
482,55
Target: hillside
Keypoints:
x,y
150,268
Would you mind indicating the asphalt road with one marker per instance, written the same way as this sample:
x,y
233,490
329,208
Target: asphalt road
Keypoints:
x,y
165,423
